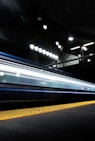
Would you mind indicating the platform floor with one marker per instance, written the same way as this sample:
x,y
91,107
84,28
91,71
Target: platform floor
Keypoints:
x,y
77,122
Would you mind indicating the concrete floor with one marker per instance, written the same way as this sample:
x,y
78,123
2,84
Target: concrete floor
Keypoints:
x,y
76,123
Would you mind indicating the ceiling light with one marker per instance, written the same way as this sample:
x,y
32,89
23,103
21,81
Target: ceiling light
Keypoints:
x,y
54,66
45,27
32,46
88,44
39,18
73,48
57,43
91,54
47,53
53,56
84,48
70,38
56,57
88,60
40,50
36,48
59,46
50,54
44,51
79,55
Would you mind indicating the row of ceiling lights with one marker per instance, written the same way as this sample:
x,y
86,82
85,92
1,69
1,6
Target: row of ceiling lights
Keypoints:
x,y
44,52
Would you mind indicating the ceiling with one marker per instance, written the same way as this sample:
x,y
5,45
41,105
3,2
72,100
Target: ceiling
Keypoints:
x,y
21,24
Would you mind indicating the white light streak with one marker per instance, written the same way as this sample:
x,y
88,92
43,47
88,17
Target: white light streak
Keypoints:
x,y
30,72
88,44
73,48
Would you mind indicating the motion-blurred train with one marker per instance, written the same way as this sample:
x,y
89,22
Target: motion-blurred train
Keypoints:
x,y
21,80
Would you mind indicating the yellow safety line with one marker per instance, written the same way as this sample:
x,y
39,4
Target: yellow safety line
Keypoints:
x,y
10,114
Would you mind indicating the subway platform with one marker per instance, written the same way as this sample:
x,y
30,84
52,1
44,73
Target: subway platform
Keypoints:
x,y
58,122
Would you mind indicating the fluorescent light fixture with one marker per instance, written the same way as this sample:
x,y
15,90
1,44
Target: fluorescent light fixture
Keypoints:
x,y
45,27
84,48
70,38
32,46
73,48
88,44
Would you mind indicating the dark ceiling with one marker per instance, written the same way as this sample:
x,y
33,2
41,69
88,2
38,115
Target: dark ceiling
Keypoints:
x,y
21,23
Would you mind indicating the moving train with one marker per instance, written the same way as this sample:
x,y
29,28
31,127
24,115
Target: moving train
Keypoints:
x,y
24,80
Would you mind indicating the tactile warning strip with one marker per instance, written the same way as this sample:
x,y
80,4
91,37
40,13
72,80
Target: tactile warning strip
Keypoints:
x,y
10,114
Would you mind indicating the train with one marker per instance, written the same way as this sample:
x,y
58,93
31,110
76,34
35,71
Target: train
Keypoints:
x,y
22,80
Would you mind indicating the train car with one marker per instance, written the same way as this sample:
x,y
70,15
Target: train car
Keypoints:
x,y
24,80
